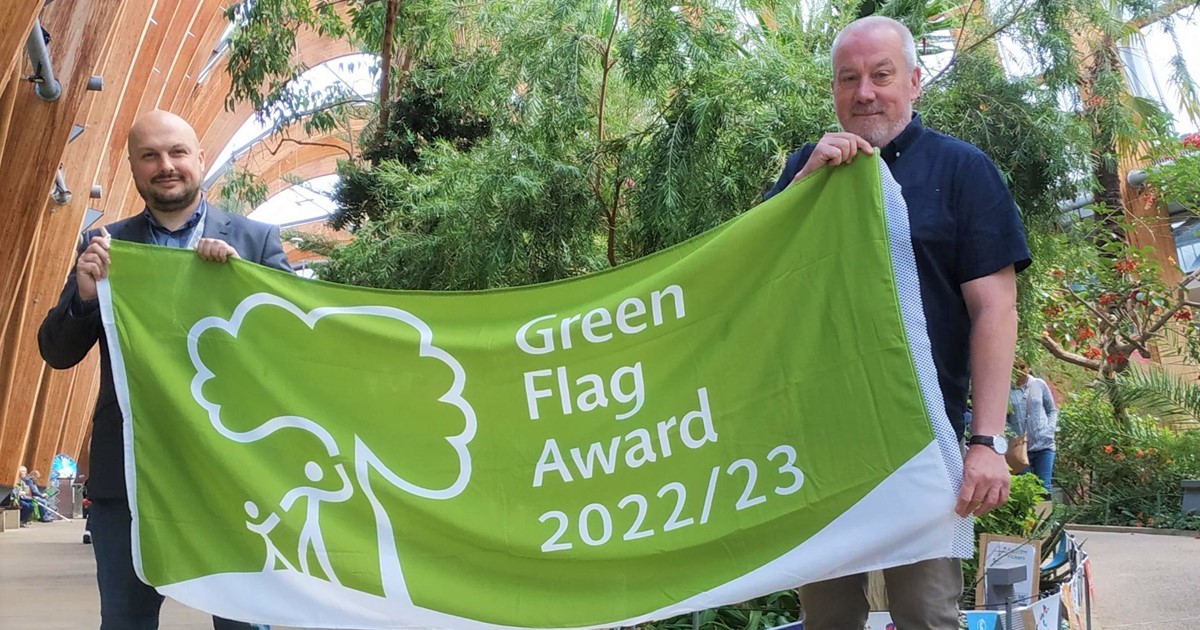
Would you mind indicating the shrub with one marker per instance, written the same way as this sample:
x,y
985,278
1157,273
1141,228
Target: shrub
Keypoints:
x,y
760,613
1123,475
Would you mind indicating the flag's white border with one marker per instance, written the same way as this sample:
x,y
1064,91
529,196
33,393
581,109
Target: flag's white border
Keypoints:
x,y
934,475
904,269
116,361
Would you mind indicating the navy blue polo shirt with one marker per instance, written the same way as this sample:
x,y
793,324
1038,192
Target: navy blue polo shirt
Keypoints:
x,y
964,226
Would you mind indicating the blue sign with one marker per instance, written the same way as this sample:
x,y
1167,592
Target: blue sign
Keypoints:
x,y
983,619
63,467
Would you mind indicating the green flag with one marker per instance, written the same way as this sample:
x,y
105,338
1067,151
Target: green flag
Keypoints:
x,y
750,410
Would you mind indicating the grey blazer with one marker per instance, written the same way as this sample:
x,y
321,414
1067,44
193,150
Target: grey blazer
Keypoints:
x,y
72,327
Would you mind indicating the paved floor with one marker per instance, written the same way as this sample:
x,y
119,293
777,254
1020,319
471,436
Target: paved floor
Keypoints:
x,y
1145,581
47,582
47,566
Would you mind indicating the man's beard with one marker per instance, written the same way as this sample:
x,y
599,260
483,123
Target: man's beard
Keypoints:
x,y
169,202
879,132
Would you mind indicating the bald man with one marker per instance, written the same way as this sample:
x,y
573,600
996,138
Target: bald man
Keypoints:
x,y
167,166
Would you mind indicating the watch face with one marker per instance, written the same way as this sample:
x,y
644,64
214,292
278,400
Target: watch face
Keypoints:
x,y
998,443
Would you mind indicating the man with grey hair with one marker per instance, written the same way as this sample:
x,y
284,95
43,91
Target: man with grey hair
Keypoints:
x,y
969,245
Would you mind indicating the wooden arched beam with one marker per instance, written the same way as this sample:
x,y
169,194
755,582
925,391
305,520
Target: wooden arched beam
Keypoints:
x,y
150,54
16,26
216,125
144,50
47,410
291,155
33,150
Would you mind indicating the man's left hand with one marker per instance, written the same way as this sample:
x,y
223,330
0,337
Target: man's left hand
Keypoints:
x,y
985,482
216,250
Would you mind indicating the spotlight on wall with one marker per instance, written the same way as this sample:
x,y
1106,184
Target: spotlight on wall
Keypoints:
x,y
96,192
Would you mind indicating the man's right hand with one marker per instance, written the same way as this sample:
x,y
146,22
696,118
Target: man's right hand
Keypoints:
x,y
837,147
92,265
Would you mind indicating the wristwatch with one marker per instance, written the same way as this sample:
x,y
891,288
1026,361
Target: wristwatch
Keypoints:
x,y
997,443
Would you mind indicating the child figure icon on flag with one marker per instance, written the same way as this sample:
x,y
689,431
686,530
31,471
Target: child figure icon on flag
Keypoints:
x,y
264,529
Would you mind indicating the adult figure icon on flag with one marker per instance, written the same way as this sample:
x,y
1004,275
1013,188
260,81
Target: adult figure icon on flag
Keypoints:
x,y
311,538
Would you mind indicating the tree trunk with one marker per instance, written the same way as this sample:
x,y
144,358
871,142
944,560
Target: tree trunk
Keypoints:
x,y
385,74
1120,411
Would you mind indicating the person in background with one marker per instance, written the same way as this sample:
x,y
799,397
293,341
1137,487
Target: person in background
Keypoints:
x,y
1035,416
35,486
24,498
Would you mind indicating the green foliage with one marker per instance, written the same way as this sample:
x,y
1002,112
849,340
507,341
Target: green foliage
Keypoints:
x,y
419,118
265,60
1074,46
1052,251
1167,398
616,134
1018,124
606,132
662,119
482,221
263,44
1178,180
719,142
240,191
1117,474
922,17
309,241
761,613
1017,517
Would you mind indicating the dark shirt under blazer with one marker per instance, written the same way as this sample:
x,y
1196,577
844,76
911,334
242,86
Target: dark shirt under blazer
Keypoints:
x,y
72,327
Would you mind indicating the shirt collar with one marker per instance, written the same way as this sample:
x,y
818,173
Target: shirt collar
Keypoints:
x,y
201,210
905,140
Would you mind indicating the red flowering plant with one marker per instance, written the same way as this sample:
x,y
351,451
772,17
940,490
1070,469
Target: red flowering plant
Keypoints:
x,y
1123,474
1176,178
1108,301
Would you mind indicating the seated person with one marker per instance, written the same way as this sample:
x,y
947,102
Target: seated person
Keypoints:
x,y
17,499
41,497
24,496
